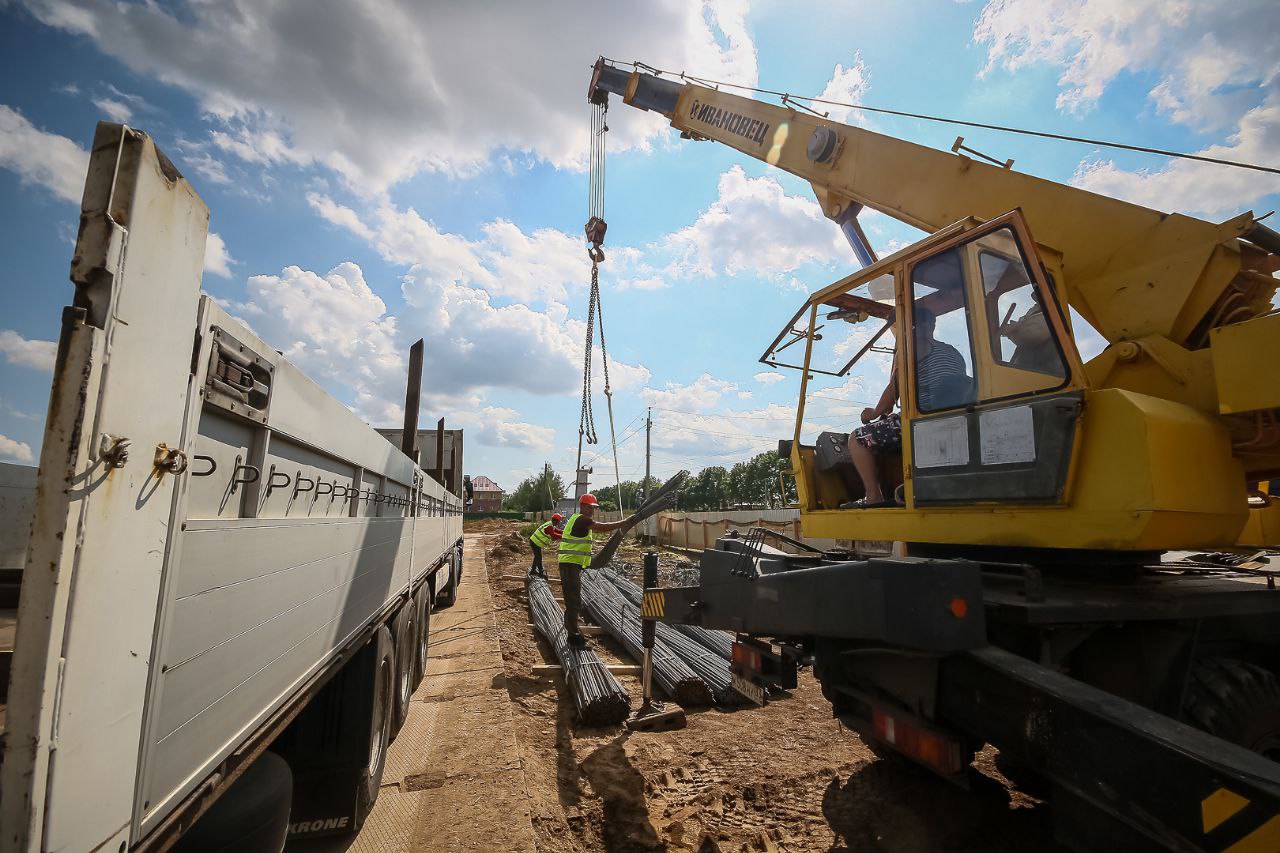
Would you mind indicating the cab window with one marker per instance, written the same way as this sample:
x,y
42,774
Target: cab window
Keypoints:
x,y
1019,331
942,343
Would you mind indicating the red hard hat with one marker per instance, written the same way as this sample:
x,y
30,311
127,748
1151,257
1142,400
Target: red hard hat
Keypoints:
x,y
588,500
557,517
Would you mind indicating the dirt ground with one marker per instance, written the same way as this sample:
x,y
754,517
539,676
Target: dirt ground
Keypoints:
x,y
783,777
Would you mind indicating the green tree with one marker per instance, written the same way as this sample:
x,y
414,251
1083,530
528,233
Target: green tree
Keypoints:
x,y
755,482
537,493
706,490
631,493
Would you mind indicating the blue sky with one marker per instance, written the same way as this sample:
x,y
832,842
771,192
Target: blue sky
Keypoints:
x,y
379,172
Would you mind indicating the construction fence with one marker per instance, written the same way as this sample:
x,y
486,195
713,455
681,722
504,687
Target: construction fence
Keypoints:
x,y
699,530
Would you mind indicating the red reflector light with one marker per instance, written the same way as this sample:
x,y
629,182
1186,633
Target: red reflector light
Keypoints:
x,y
959,608
746,657
935,750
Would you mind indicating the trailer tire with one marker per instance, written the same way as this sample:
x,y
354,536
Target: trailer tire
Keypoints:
x,y
383,681
449,595
404,629
1238,702
422,603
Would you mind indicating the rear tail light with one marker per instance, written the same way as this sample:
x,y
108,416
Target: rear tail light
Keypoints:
x,y
746,657
931,748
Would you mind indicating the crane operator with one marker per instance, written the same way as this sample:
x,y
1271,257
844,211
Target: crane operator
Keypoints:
x,y
941,379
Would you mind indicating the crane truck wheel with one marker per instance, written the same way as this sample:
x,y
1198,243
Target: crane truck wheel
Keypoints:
x,y
1237,701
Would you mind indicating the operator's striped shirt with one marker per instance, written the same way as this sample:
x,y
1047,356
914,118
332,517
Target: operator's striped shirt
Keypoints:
x,y
942,361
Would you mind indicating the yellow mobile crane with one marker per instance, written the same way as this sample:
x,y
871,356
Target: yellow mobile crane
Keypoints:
x,y
1150,446
1028,605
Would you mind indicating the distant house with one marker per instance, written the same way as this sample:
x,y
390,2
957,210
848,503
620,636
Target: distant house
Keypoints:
x,y
488,495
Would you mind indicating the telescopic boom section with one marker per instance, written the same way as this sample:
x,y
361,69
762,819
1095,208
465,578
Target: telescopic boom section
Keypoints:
x,y
1129,270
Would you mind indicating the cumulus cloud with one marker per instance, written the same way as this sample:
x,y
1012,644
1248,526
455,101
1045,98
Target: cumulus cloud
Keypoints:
x,y
769,377
382,91
116,111
36,354
335,327
1199,188
700,394
1216,65
1211,57
498,426
847,85
530,267
755,227
41,158
15,451
217,259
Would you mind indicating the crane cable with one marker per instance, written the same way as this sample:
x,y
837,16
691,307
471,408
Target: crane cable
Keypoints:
x,y
595,231
789,99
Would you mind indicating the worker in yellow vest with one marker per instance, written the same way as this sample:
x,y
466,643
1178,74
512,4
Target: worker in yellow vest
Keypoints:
x,y
575,556
542,537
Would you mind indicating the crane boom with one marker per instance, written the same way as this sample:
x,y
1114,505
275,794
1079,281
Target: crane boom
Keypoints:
x,y
1130,271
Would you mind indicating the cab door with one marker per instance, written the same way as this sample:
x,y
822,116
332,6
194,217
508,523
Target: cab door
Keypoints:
x,y
994,384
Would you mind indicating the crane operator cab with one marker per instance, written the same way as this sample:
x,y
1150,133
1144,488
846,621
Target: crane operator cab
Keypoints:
x,y
966,327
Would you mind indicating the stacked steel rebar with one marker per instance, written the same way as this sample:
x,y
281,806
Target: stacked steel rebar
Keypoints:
x,y
621,620
600,699
717,641
658,501
709,665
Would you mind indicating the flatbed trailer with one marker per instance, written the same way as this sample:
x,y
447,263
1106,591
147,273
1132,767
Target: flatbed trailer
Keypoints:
x,y
225,600
930,658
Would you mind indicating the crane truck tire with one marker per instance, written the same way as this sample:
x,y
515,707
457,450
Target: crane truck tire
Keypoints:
x,y
251,817
1237,701
422,603
404,628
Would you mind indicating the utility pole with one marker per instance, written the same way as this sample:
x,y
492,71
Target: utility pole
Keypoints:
x,y
648,428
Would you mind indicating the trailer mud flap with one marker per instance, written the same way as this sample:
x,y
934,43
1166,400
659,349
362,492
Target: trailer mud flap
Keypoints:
x,y
1138,777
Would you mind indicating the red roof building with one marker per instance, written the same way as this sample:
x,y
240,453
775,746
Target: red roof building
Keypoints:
x,y
488,495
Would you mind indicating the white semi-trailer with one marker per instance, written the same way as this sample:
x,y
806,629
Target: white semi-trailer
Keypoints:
x,y
227,587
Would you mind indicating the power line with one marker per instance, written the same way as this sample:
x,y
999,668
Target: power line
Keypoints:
x,y
1042,134
714,432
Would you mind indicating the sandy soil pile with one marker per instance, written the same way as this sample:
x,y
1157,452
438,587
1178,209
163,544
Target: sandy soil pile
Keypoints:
x,y
783,777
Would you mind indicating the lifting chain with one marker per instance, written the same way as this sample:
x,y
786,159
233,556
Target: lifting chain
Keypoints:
x,y
595,230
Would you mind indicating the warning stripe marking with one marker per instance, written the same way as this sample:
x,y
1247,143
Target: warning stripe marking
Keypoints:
x,y
1219,806
652,605
1264,839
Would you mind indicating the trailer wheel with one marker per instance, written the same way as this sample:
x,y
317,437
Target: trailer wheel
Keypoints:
x,y
422,602
1237,701
449,594
384,684
405,627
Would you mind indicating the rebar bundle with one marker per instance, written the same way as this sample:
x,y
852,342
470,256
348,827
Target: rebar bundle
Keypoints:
x,y
600,699
621,620
717,641
658,501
